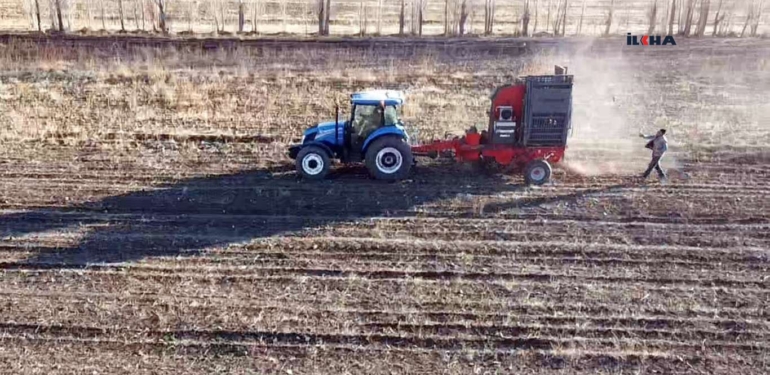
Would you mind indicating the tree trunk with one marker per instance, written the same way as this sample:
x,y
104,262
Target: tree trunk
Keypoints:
x,y
401,19
379,17
463,16
688,17
703,19
608,23
490,15
37,14
671,18
525,19
256,16
446,17
757,18
120,13
717,20
104,24
59,15
420,17
241,15
653,16
582,13
564,18
321,17
534,27
548,16
162,16
328,16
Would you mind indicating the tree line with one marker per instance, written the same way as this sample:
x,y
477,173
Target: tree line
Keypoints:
x,y
673,17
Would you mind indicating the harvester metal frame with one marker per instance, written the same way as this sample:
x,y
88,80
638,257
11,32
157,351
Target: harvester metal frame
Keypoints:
x,y
531,143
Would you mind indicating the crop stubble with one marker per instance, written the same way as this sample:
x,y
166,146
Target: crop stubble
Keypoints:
x,y
132,247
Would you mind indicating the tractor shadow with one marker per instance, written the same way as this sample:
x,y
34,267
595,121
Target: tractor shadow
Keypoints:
x,y
189,216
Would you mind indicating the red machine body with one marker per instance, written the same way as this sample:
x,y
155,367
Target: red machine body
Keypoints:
x,y
523,126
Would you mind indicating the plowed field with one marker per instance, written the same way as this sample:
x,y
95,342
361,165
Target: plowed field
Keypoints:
x,y
143,238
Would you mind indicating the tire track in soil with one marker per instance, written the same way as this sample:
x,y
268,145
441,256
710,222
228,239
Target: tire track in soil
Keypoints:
x,y
259,273
226,338
600,314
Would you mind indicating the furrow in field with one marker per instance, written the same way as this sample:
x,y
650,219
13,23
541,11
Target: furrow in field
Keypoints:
x,y
664,277
179,315
226,338
105,307
376,292
75,355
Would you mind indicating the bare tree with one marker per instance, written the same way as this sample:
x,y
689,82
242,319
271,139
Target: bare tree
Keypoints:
x,y
446,17
725,20
564,18
463,16
401,18
689,15
120,14
672,17
420,16
489,16
557,18
548,16
101,14
703,18
755,26
157,12
58,4
652,17
379,17
717,18
321,17
662,22
328,16
582,13
241,15
534,27
362,19
525,19
37,15
608,22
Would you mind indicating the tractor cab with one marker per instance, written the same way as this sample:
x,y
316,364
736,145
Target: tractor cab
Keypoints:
x,y
371,112
374,134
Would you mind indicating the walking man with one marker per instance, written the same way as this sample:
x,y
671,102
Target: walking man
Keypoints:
x,y
659,145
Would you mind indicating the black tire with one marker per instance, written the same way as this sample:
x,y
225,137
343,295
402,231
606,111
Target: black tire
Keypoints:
x,y
313,163
537,172
389,159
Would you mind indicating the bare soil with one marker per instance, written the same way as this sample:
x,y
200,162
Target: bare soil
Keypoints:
x,y
150,222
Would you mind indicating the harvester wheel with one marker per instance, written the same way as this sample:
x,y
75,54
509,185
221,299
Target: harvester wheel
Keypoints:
x,y
389,158
537,172
313,163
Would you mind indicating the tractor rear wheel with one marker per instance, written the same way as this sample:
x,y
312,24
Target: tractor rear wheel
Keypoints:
x,y
313,163
537,172
389,158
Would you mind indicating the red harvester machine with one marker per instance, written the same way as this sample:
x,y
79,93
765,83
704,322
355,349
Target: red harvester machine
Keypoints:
x,y
529,123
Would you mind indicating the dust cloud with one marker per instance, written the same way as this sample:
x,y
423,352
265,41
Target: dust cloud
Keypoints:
x,y
605,136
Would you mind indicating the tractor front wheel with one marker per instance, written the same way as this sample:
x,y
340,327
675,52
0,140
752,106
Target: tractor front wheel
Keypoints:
x,y
537,172
389,159
313,163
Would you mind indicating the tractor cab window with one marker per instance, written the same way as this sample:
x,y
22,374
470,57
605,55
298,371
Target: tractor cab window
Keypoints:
x,y
368,118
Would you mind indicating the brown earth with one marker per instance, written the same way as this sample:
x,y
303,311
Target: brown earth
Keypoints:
x,y
149,222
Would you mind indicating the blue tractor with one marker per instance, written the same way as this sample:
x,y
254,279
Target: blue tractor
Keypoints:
x,y
374,134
